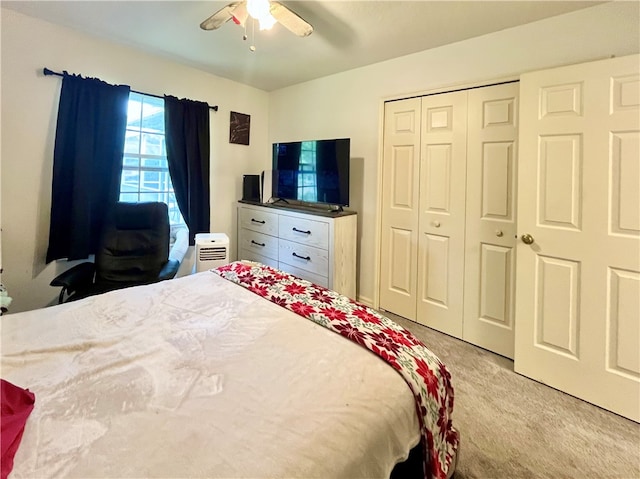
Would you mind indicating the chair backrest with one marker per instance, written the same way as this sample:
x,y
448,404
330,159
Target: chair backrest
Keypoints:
x,y
134,245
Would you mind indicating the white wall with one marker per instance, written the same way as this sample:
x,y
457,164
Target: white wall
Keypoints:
x,y
28,114
350,104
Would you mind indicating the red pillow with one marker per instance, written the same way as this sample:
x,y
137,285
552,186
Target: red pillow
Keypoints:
x,y
17,404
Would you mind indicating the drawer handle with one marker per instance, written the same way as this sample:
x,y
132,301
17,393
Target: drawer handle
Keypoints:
x,y
308,258
259,244
257,221
300,231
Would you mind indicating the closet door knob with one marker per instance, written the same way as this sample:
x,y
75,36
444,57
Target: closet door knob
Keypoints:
x,y
436,224
499,233
527,239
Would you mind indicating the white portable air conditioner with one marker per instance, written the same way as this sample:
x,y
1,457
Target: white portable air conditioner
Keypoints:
x,y
212,250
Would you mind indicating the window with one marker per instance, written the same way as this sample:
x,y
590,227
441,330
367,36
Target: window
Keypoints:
x,y
307,186
145,172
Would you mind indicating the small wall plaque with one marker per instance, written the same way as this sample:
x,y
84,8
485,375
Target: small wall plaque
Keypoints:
x,y
239,128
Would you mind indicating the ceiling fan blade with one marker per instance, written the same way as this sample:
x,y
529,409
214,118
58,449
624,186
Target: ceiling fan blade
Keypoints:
x,y
220,17
240,14
290,20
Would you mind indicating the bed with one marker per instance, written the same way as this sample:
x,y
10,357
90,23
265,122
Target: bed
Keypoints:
x,y
217,375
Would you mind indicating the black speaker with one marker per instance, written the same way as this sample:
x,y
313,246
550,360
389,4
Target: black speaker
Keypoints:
x,y
251,188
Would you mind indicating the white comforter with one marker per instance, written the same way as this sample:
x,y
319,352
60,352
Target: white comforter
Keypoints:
x,y
198,377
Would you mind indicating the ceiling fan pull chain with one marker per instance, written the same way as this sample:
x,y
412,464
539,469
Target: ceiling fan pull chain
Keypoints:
x,y
253,36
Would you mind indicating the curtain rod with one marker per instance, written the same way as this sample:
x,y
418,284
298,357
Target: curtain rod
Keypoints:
x,y
48,72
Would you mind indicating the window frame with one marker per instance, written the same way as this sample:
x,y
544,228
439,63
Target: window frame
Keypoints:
x,y
131,192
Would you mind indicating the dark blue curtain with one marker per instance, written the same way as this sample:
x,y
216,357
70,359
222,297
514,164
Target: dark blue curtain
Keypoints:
x,y
187,139
87,164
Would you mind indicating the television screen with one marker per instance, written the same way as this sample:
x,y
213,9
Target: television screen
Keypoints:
x,y
314,171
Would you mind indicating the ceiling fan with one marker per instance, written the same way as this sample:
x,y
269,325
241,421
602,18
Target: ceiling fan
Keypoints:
x,y
266,12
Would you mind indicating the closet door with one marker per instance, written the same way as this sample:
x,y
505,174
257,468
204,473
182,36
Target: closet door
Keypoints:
x,y
399,237
442,212
578,278
490,259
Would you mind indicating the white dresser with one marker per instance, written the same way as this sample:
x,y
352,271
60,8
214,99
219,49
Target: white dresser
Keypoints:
x,y
316,246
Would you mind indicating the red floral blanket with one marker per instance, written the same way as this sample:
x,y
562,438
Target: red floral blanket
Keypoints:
x,y
428,379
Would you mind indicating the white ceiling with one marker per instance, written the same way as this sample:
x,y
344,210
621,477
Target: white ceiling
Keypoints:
x,y
347,34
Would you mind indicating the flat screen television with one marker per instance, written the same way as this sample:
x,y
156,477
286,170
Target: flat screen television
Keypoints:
x,y
315,171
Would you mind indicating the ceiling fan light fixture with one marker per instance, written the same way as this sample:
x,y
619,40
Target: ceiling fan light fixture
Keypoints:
x,y
267,12
267,22
259,9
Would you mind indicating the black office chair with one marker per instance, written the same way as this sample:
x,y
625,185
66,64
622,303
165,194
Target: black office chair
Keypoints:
x,y
134,250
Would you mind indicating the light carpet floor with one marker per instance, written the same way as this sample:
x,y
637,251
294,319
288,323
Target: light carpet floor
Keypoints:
x,y
513,427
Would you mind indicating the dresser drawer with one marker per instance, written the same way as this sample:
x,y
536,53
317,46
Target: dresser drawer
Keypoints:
x,y
300,273
257,220
308,258
252,256
308,232
259,243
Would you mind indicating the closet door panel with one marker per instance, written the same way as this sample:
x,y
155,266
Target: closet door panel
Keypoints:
x,y
442,212
435,287
491,218
400,173
437,178
496,265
